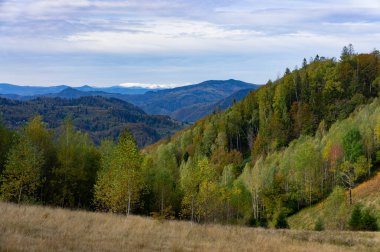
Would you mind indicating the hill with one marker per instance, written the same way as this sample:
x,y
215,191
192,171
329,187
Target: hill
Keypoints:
x,y
367,194
177,102
195,112
284,147
99,116
26,92
34,228
187,103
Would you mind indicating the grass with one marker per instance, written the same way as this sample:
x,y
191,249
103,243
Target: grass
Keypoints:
x,y
36,228
367,194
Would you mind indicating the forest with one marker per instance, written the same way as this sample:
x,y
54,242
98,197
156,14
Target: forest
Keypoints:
x,y
288,145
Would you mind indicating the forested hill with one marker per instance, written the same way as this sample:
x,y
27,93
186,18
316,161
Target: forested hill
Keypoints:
x,y
188,103
100,117
237,153
312,135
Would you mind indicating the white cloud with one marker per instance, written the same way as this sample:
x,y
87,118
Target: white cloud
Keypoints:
x,y
140,32
152,85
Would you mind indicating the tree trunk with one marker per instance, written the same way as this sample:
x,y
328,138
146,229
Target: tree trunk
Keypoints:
x,y
129,203
350,196
192,208
19,195
162,201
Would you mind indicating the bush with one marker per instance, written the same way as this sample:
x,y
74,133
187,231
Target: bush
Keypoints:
x,y
368,222
280,222
362,220
319,225
356,216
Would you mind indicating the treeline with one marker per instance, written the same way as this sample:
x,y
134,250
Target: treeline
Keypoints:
x,y
275,152
38,165
285,146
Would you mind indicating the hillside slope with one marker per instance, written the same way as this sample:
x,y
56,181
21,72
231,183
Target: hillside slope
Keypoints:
x,y
284,147
100,117
33,228
367,194
172,101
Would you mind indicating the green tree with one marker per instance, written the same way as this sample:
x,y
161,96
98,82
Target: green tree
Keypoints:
x,y
22,175
356,216
77,163
352,144
349,173
42,138
119,179
368,221
280,221
6,139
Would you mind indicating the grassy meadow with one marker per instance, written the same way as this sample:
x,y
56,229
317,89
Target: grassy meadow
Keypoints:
x,y
36,228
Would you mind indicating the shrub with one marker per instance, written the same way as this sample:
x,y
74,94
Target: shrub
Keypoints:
x,y
362,220
368,222
356,216
280,222
319,225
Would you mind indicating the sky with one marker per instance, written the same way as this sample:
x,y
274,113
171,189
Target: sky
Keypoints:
x,y
174,42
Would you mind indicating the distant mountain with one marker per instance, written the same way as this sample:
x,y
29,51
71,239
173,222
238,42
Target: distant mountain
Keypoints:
x,y
99,116
179,102
116,89
187,103
19,92
197,111
6,88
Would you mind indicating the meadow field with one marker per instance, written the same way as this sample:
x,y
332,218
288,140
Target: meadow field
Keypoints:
x,y
36,228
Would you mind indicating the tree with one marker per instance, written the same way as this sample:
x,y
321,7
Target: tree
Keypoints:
x,y
77,163
356,216
165,178
349,173
6,139
189,181
42,138
119,181
368,221
352,145
280,221
361,219
22,175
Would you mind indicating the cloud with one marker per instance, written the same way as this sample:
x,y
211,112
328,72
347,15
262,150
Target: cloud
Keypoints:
x,y
157,34
152,85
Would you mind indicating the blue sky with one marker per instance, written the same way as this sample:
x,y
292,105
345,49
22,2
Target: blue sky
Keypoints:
x,y
174,42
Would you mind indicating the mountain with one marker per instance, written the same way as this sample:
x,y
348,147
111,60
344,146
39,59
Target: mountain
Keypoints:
x,y
187,103
195,112
19,92
117,89
6,88
101,117
285,147
177,102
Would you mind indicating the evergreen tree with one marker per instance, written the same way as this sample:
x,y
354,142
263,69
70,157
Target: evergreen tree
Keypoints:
x,y
280,221
356,217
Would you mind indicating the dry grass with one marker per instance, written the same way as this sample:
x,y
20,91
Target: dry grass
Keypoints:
x,y
33,228
367,194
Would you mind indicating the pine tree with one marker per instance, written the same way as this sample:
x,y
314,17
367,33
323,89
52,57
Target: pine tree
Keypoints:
x,y
356,216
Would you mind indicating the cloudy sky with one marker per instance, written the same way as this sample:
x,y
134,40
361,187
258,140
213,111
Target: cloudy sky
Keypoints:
x,y
174,42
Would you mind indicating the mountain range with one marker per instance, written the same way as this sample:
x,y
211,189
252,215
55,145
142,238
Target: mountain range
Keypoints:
x,y
187,103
